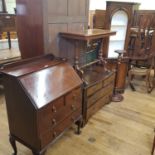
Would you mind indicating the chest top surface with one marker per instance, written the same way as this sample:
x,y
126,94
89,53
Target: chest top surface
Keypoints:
x,y
88,34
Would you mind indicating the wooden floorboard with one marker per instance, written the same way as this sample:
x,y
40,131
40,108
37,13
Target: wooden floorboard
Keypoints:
x,y
120,128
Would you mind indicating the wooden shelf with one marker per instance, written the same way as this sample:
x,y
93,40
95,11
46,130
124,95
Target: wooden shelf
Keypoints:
x,y
89,64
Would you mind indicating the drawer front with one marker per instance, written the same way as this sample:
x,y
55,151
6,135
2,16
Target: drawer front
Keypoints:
x,y
98,105
99,94
60,109
53,133
74,97
91,90
109,80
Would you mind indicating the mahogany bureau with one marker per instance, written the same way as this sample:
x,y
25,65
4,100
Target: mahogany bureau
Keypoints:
x,y
43,99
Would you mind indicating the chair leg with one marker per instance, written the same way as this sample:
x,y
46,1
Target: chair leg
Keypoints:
x,y
153,146
130,83
148,83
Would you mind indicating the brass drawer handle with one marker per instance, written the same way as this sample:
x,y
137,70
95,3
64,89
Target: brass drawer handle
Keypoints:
x,y
54,121
54,134
73,107
54,109
72,119
74,97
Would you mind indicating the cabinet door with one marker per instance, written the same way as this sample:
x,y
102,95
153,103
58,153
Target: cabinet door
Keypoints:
x,y
63,15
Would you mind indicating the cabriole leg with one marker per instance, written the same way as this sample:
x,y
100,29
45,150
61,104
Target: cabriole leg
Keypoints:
x,y
13,144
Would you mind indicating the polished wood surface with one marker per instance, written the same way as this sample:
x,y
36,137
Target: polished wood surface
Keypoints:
x,y
30,27
80,41
88,34
124,128
98,90
121,70
46,87
59,75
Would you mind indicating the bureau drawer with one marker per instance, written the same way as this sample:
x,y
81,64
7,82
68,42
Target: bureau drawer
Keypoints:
x,y
98,105
99,94
74,97
53,133
109,80
60,109
91,90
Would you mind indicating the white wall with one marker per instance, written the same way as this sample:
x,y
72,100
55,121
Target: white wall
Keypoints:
x,y
101,4
10,5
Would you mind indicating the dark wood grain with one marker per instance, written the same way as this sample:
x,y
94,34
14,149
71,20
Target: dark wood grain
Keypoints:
x,y
43,98
39,23
88,34
30,27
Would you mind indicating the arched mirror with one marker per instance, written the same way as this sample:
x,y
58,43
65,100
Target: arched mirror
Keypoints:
x,y
119,24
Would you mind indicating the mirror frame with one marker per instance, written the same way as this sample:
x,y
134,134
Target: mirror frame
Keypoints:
x,y
3,9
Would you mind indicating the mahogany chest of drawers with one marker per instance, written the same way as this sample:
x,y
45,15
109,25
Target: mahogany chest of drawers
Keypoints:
x,y
98,91
43,99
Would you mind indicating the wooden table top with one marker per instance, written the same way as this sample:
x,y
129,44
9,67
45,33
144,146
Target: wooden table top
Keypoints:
x,y
88,34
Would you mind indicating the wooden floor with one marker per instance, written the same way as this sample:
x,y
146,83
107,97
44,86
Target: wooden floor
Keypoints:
x,y
124,128
8,55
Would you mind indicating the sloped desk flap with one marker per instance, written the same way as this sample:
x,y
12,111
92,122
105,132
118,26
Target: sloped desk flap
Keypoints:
x,y
43,79
47,85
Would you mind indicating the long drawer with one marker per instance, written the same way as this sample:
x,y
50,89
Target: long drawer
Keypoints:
x,y
98,105
99,94
109,80
58,110
94,88
52,133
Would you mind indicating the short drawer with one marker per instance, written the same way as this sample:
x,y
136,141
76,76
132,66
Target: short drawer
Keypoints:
x,y
91,90
74,97
60,109
109,80
53,133
99,94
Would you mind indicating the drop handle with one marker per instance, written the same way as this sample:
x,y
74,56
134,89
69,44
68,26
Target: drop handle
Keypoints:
x,y
54,134
53,121
72,119
74,97
73,107
54,109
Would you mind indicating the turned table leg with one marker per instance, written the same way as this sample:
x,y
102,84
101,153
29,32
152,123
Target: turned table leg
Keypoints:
x,y
13,144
